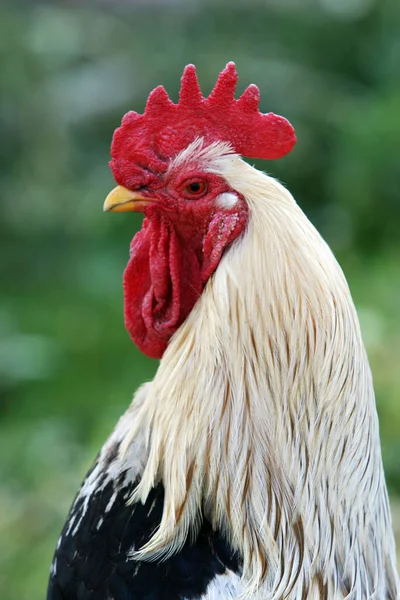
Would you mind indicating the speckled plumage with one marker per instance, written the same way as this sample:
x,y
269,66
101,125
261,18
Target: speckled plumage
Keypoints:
x,y
93,556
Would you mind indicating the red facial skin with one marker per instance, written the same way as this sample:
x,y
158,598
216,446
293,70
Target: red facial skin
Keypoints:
x,y
178,248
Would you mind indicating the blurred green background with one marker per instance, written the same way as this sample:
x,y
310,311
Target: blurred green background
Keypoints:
x,y
68,72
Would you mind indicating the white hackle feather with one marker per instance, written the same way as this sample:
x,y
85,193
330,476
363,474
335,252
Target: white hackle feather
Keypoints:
x,y
262,412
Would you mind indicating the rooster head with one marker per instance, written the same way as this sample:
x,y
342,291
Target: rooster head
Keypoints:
x,y
161,163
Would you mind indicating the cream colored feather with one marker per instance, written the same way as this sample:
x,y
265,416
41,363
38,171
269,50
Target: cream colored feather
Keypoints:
x,y
262,412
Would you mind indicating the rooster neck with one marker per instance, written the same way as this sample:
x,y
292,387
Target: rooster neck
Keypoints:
x,y
262,415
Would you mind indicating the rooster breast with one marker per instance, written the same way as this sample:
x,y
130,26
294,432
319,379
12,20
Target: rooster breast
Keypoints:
x,y
93,556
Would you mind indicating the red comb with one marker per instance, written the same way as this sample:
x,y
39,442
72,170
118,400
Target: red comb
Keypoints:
x,y
150,140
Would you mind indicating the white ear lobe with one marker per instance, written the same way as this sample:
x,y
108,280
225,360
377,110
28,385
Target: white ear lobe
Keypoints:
x,y
226,200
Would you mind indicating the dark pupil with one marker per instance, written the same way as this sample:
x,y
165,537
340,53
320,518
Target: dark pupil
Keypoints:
x,y
195,187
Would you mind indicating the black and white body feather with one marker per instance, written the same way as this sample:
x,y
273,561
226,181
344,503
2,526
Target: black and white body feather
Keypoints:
x,y
93,559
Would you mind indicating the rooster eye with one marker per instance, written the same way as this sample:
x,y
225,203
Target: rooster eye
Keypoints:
x,y
195,188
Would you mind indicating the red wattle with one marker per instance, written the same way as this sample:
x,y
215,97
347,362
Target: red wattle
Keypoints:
x,y
162,282
169,266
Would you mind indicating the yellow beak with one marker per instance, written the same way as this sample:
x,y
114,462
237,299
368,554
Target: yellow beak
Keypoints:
x,y
120,199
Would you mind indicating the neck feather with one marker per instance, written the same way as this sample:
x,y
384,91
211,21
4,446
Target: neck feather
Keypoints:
x,y
262,415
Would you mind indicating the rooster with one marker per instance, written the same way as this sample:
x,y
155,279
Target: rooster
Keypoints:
x,y
250,467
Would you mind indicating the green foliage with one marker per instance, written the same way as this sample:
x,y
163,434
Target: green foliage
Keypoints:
x,y
68,73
